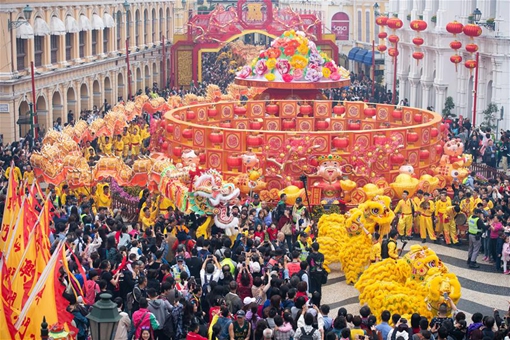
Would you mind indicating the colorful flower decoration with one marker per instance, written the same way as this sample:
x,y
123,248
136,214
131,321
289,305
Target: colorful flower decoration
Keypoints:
x,y
293,57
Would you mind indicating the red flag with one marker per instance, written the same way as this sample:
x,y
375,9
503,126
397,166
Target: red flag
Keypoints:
x,y
7,329
11,209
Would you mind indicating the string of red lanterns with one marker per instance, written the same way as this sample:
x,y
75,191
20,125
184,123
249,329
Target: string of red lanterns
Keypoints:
x,y
470,30
418,26
381,21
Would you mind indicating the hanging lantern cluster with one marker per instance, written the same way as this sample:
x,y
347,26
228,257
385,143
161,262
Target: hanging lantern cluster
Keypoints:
x,y
470,30
381,21
418,26
394,24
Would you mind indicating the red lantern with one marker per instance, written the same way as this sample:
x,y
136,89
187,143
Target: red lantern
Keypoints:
x,y
177,151
393,52
212,112
369,112
321,125
456,59
170,127
424,154
454,27
234,161
418,41
340,142
288,124
418,25
255,125
381,48
397,114
472,30
393,38
418,55
339,109
216,137
381,20
471,48
439,149
354,125
434,132
305,109
412,137
470,64
382,35
394,23
253,141
397,158
455,45
164,146
272,109
187,133
190,115
240,110
418,118
379,139
201,157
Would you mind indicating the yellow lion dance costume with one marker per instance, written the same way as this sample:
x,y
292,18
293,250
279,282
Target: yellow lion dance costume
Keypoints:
x,y
353,231
414,284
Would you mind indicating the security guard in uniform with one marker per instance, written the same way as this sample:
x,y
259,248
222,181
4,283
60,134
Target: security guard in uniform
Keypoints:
x,y
476,227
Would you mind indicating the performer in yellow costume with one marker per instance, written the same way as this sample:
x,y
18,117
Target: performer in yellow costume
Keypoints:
x,y
126,139
119,146
102,197
475,200
450,227
17,173
466,204
442,205
148,217
135,143
406,209
28,175
107,147
426,210
417,200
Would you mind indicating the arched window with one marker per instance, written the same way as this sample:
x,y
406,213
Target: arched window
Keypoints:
x,y
360,26
153,24
119,29
168,23
137,27
367,26
145,26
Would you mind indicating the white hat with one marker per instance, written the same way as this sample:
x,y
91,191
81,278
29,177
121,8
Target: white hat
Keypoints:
x,y
249,300
255,267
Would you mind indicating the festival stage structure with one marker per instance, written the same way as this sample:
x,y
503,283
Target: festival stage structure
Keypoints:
x,y
210,32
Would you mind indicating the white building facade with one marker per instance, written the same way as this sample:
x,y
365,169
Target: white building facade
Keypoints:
x,y
434,78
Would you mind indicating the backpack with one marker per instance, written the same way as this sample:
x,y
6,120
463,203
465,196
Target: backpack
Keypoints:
x,y
305,335
168,326
206,286
130,300
384,248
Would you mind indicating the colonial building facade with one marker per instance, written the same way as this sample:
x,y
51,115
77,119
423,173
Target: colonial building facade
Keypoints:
x,y
434,78
79,53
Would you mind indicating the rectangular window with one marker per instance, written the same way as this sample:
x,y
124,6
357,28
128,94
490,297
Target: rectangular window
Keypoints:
x,y
38,50
360,26
119,30
94,42
82,44
21,53
367,26
106,35
54,48
69,46
154,28
128,25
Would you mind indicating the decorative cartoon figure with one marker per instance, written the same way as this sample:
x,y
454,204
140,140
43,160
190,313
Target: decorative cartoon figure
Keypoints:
x,y
453,150
190,159
330,171
250,161
406,169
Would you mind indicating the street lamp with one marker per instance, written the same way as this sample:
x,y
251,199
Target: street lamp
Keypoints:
x,y
104,318
27,12
376,9
477,15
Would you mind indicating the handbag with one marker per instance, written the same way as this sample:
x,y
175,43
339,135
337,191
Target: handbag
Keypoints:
x,y
287,229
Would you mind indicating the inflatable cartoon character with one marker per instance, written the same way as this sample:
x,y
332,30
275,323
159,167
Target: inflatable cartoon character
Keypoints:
x,y
453,164
330,171
406,169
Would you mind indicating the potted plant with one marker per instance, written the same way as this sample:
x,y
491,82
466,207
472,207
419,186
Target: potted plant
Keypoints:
x,y
448,107
471,19
433,19
491,24
420,17
409,17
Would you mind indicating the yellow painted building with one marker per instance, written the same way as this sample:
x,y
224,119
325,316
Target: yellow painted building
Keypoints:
x,y
79,52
